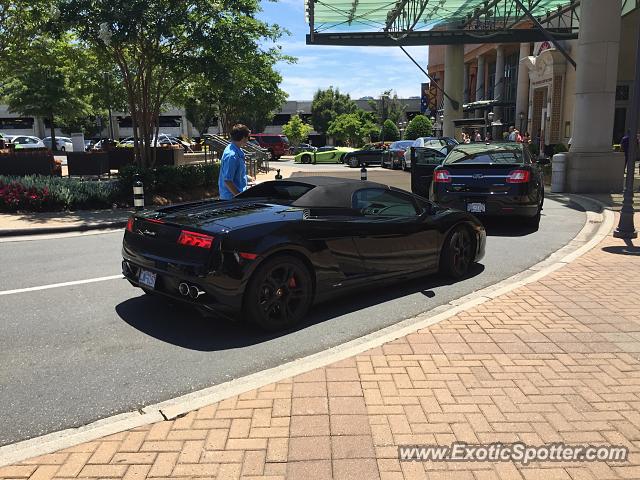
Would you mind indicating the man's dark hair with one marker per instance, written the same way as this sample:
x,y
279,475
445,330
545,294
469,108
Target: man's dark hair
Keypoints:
x,y
239,131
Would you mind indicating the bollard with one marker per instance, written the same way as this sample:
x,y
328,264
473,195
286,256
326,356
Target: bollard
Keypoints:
x,y
278,176
138,192
363,173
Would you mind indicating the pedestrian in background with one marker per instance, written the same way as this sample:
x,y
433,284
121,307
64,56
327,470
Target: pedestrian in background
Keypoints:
x,y
233,176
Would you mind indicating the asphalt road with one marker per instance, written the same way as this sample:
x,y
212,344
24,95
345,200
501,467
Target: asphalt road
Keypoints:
x,y
74,354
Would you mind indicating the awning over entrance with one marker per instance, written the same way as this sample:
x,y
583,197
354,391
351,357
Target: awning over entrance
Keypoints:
x,y
422,22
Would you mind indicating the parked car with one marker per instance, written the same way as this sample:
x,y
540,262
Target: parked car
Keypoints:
x,y
493,179
88,145
278,145
394,155
64,144
369,156
249,256
303,147
26,142
444,144
327,154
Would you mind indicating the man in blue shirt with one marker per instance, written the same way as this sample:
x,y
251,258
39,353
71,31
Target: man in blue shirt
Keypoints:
x,y
233,173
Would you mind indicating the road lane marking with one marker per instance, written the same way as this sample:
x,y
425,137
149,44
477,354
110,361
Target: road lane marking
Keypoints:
x,y
58,285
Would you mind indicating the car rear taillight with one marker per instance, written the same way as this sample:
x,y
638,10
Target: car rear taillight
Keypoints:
x,y
441,176
193,239
130,224
519,176
153,220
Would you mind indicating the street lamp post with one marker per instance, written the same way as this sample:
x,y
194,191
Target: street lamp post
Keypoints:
x,y
490,116
626,228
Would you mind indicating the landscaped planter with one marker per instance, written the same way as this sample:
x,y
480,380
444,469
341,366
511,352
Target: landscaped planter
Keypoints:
x,y
88,163
119,157
28,162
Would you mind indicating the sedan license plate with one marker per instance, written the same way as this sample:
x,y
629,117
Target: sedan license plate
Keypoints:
x,y
147,278
476,207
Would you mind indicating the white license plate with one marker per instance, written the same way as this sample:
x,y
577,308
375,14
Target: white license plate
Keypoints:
x,y
476,207
147,278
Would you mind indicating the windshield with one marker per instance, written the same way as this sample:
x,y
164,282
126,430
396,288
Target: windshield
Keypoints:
x,y
403,144
276,190
498,156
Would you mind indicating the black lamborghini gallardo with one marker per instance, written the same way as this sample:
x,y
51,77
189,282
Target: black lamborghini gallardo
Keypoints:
x,y
280,246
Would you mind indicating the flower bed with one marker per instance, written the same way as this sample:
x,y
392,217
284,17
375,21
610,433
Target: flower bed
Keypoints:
x,y
42,193
162,185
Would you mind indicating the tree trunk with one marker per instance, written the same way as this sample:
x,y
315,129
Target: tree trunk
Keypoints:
x,y
54,144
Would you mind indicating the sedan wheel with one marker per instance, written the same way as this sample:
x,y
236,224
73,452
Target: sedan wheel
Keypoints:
x,y
279,293
457,254
353,163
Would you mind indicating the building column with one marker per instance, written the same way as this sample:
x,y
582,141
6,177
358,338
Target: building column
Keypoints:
x,y
466,83
454,86
480,84
498,89
593,166
522,92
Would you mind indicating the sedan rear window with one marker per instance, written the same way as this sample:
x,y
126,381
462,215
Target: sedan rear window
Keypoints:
x,y
499,157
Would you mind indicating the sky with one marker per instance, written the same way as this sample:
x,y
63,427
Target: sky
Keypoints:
x,y
358,71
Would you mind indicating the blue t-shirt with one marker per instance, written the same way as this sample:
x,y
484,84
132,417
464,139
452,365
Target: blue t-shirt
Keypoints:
x,y
232,168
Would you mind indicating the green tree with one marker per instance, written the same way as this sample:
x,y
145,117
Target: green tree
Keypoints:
x,y
201,107
419,126
327,105
296,130
389,132
249,91
388,108
49,84
159,45
352,128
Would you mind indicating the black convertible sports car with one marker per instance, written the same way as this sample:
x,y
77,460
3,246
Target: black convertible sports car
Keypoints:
x,y
282,245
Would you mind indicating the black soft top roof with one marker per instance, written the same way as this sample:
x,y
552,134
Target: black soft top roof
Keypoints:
x,y
328,192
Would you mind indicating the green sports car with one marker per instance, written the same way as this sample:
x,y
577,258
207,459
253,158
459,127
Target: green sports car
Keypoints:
x,y
323,155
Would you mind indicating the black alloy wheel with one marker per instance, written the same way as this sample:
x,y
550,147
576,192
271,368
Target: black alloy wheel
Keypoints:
x,y
279,293
306,159
457,253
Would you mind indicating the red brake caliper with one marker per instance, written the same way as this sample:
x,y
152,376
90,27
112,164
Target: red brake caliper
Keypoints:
x,y
292,282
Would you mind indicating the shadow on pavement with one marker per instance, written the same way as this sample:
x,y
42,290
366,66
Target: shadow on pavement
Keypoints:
x,y
184,327
628,249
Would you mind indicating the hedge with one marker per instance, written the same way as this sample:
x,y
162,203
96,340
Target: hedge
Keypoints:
x,y
170,179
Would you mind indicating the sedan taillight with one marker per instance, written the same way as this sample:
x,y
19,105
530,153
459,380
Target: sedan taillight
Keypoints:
x,y
519,176
193,239
441,176
130,224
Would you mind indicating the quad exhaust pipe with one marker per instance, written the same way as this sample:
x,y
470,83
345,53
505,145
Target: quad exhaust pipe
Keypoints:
x,y
190,290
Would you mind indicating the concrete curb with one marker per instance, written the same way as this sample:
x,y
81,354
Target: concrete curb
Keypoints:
x,y
596,228
20,232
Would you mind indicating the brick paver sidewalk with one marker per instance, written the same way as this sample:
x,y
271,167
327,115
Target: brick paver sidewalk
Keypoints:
x,y
557,360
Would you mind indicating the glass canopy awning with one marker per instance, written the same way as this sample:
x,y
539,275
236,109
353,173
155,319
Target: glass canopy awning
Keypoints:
x,y
432,22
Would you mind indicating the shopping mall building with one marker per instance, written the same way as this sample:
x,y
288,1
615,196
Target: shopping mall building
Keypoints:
x,y
532,86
